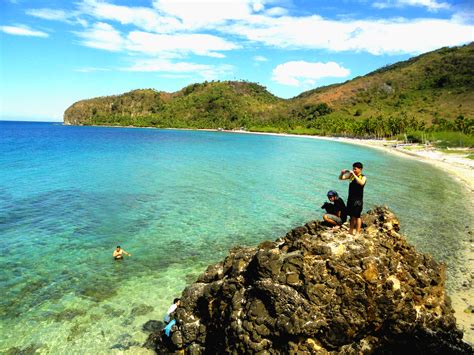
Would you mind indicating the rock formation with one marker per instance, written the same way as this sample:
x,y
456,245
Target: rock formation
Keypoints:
x,y
316,290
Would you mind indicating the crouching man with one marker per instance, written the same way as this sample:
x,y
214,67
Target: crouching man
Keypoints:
x,y
336,211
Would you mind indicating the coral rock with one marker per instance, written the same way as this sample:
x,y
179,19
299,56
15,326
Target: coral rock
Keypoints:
x,y
320,291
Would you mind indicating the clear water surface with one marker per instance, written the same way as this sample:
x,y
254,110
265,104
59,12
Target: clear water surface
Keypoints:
x,y
176,200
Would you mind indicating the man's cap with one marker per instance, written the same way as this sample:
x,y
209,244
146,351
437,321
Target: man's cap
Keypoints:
x,y
332,193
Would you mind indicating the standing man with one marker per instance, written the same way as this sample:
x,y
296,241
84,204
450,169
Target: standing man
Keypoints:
x,y
355,201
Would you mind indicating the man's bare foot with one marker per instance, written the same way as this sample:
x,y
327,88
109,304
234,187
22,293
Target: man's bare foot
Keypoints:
x,y
335,228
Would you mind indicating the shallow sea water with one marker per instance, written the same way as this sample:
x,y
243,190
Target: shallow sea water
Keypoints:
x,y
176,200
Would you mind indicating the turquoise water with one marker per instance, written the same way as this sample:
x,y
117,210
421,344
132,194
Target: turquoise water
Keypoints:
x,y
176,200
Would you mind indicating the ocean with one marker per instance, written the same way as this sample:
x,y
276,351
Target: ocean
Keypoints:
x,y
177,201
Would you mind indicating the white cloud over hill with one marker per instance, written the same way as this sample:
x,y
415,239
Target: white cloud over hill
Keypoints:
x,y
297,73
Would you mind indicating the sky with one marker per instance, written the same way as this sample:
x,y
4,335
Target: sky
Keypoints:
x,y
54,53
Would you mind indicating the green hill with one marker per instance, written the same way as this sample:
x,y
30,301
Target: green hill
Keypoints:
x,y
431,92
228,104
434,90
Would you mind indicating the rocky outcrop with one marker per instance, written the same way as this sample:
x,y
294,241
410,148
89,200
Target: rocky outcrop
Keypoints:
x,y
319,291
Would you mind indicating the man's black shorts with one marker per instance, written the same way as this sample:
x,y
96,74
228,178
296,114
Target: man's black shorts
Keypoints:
x,y
354,208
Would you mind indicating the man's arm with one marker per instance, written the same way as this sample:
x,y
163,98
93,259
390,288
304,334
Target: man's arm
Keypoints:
x,y
360,180
341,175
338,208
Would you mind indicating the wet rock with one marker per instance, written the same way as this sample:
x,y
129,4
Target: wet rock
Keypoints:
x,y
125,342
68,314
316,290
29,350
124,346
112,312
99,292
153,326
76,331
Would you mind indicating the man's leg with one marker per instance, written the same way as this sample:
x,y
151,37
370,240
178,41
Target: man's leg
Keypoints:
x,y
359,224
329,220
352,224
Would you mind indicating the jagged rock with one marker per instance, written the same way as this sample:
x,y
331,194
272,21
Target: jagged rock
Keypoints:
x,y
319,291
153,326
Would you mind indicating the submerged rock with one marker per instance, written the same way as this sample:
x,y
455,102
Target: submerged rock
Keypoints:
x,y
153,326
319,291
141,310
69,314
29,350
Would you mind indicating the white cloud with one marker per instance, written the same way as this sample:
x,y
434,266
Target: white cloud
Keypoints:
x,y
375,37
178,44
260,58
207,14
464,14
276,11
167,16
431,5
296,73
174,28
208,72
82,22
21,30
142,17
103,36
49,14
71,17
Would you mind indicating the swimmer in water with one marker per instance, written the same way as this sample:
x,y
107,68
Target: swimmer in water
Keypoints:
x,y
118,253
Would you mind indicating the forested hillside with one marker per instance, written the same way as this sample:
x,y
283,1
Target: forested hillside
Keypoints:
x,y
431,92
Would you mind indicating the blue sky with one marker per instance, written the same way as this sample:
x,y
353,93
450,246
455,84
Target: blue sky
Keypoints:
x,y
54,53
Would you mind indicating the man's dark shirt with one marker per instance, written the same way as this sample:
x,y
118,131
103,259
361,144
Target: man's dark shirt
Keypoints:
x,y
340,206
356,191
